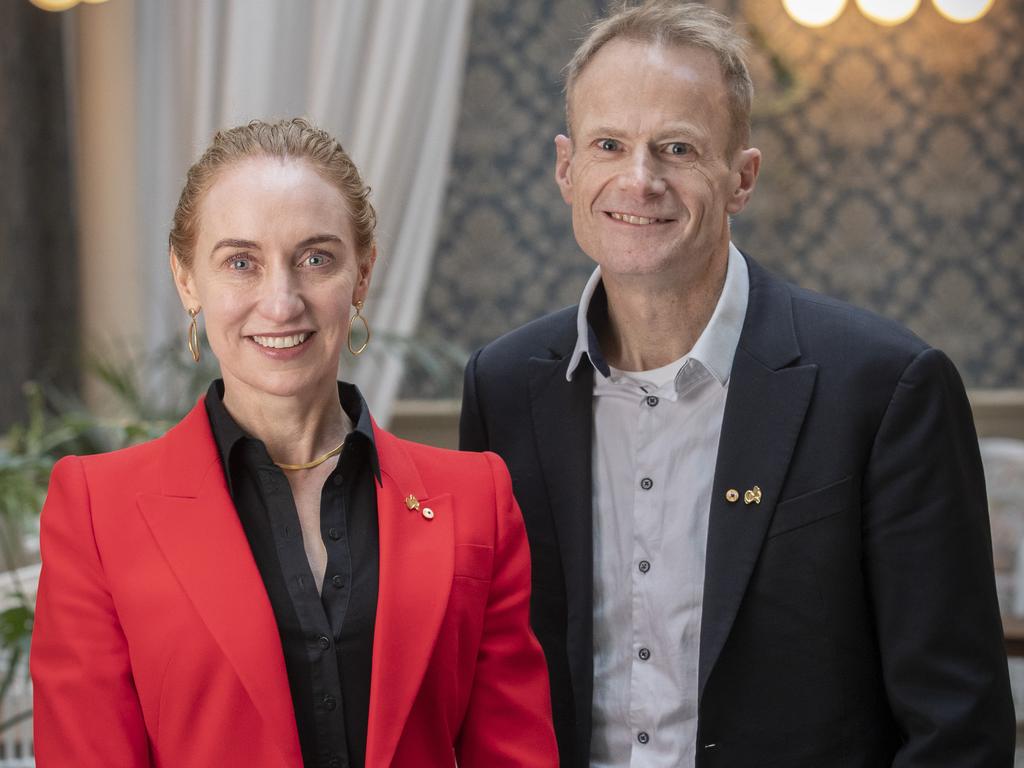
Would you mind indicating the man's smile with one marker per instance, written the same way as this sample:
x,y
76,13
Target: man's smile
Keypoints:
x,y
629,218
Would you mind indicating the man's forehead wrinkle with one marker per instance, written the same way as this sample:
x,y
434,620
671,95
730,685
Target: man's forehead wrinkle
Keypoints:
x,y
607,116
598,86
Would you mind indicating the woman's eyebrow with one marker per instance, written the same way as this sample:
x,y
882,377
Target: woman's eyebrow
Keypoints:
x,y
317,239
229,242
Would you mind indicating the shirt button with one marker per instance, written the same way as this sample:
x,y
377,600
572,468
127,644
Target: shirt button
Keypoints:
x,y
652,400
334,762
644,566
647,483
325,642
334,533
337,581
643,737
330,702
644,654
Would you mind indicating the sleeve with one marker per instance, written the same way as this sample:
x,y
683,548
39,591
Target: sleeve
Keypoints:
x,y
928,561
472,434
86,709
508,721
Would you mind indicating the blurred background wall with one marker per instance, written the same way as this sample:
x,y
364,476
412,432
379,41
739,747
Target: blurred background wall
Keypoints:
x,y
892,172
893,175
38,252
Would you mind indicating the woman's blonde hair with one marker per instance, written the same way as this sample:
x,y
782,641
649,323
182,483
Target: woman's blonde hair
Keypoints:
x,y
293,139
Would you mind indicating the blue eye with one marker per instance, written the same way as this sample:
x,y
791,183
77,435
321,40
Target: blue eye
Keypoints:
x,y
239,264
608,145
316,259
679,148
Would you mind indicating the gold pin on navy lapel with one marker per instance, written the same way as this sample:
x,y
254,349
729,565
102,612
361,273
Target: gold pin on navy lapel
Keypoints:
x,y
413,504
751,496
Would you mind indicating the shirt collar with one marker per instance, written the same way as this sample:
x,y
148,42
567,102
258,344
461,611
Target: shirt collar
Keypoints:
x,y
714,349
586,339
227,433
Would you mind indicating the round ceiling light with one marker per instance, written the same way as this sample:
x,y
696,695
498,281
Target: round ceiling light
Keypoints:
x,y
814,13
963,11
54,5
888,12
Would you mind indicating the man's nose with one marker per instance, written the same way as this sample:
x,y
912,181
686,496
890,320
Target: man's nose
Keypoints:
x,y
642,175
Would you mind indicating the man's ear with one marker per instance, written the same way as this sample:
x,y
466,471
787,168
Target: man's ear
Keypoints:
x,y
563,162
184,281
748,166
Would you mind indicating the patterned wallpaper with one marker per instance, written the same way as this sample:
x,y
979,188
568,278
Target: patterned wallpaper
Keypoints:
x,y
893,175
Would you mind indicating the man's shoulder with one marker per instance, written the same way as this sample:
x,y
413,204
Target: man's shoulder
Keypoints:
x,y
828,323
826,326
548,336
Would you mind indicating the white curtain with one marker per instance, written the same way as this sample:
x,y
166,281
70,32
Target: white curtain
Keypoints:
x,y
383,76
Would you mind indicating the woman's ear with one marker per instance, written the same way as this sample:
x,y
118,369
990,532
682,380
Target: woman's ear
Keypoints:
x,y
184,281
365,273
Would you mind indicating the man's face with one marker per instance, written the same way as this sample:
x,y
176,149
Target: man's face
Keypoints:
x,y
648,172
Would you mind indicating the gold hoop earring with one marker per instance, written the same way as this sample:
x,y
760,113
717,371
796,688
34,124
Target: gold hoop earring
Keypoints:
x,y
193,334
366,327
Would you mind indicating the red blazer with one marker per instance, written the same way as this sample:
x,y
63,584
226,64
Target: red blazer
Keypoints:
x,y
155,643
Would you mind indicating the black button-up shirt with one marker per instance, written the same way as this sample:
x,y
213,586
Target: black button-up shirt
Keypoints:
x,y
327,638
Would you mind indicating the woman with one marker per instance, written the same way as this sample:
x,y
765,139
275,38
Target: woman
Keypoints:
x,y
276,581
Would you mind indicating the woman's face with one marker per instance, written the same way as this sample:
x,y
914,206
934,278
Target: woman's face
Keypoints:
x,y
276,272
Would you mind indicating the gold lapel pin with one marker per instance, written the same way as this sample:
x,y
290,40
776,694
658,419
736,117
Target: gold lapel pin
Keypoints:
x,y
428,513
412,503
732,495
753,496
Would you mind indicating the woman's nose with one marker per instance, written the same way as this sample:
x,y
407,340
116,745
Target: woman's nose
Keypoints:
x,y
281,298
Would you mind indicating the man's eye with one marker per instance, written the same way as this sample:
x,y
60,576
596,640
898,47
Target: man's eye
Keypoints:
x,y
679,148
608,145
240,264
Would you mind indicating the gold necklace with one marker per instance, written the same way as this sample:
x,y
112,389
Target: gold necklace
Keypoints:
x,y
310,464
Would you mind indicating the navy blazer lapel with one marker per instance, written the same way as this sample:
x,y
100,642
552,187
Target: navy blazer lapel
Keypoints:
x,y
764,412
562,424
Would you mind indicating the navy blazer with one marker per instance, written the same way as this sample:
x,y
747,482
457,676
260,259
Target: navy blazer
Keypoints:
x,y
850,618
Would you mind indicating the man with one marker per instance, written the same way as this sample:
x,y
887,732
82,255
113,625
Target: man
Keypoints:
x,y
757,515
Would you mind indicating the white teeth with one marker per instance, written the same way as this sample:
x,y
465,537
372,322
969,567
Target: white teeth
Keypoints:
x,y
281,342
633,219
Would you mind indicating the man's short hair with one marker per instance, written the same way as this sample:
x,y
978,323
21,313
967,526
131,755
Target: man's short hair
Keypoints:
x,y
664,22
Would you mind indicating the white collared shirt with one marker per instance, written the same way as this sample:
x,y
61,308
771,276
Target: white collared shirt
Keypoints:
x,y
655,445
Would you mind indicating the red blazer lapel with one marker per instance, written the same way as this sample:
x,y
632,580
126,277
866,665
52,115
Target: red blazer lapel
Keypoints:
x,y
197,528
416,567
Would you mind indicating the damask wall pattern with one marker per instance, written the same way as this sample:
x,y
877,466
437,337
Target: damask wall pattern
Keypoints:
x,y
893,175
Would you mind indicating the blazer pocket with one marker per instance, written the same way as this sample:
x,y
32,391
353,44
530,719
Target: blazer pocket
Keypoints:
x,y
811,507
474,561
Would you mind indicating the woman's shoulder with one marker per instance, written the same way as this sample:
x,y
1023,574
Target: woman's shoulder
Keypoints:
x,y
125,468
137,466
442,467
432,457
